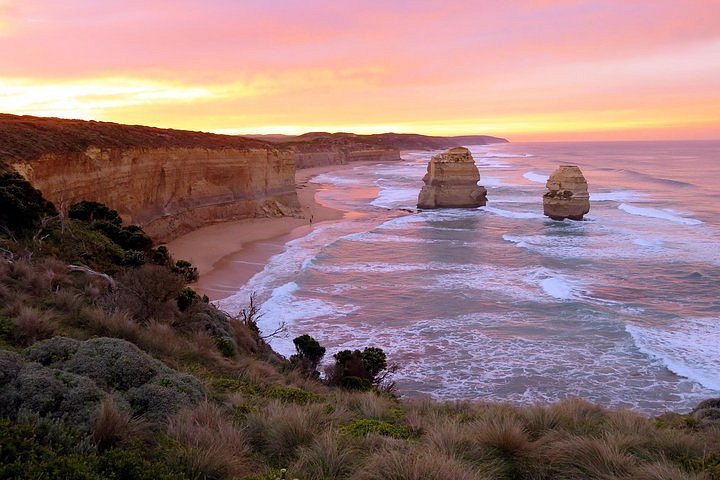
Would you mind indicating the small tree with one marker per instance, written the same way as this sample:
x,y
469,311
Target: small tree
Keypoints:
x,y
358,370
309,354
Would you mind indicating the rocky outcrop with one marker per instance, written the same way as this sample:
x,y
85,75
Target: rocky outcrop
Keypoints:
x,y
567,195
451,182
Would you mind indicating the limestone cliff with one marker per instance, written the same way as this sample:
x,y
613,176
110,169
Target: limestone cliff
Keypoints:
x,y
167,181
451,181
170,191
567,195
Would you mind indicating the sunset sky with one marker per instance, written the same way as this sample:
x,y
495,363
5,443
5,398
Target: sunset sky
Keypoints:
x,y
526,70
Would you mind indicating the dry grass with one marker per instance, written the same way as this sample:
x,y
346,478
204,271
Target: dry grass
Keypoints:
x,y
664,471
280,429
31,325
368,405
113,427
413,464
329,457
583,457
209,445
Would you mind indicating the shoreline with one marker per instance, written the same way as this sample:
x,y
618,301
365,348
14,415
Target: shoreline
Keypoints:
x,y
228,254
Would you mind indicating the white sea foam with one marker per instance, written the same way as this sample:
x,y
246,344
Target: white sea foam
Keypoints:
x,y
490,181
284,308
503,155
654,243
511,214
536,177
659,213
372,267
336,179
617,196
560,288
688,348
394,197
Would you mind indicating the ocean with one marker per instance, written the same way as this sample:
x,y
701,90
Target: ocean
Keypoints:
x,y
500,303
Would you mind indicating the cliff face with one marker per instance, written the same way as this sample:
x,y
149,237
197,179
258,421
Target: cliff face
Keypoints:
x,y
170,191
167,181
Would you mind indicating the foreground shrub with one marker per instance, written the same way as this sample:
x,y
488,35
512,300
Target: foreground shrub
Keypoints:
x,y
151,388
42,449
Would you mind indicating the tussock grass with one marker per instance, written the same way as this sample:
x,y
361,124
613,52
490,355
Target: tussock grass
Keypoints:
x,y
114,427
414,464
31,325
584,457
208,445
329,457
280,429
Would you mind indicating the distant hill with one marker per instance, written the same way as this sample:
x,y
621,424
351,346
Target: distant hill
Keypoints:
x,y
403,141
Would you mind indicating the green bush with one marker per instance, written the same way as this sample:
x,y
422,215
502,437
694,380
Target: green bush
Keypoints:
x,y
365,426
45,450
308,356
23,206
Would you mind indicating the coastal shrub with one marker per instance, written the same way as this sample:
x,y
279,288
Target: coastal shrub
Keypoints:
x,y
365,426
113,364
23,206
308,356
707,412
31,449
165,395
150,293
90,211
291,394
151,388
356,370
53,352
50,393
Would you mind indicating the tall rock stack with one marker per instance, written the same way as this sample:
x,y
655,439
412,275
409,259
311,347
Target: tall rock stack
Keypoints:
x,y
451,182
568,194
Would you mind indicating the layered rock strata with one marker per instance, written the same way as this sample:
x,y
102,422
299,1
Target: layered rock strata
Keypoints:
x,y
170,191
567,195
451,182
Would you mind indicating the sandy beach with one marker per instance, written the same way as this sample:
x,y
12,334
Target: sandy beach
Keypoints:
x,y
228,254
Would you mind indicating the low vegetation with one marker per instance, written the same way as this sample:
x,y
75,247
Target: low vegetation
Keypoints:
x,y
112,367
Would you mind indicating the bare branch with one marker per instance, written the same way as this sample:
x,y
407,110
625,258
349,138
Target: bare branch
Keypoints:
x,y
89,271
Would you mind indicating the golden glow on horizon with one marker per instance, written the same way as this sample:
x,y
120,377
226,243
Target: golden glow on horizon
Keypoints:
x,y
550,70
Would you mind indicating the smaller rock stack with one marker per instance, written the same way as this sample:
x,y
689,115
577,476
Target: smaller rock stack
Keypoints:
x,y
451,182
568,194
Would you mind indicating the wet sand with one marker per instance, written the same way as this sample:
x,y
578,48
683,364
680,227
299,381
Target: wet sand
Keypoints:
x,y
228,254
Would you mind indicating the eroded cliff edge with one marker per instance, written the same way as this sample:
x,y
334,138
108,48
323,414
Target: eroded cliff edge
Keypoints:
x,y
167,181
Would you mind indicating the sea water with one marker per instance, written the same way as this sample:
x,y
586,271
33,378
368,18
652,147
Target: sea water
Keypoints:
x,y
500,303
